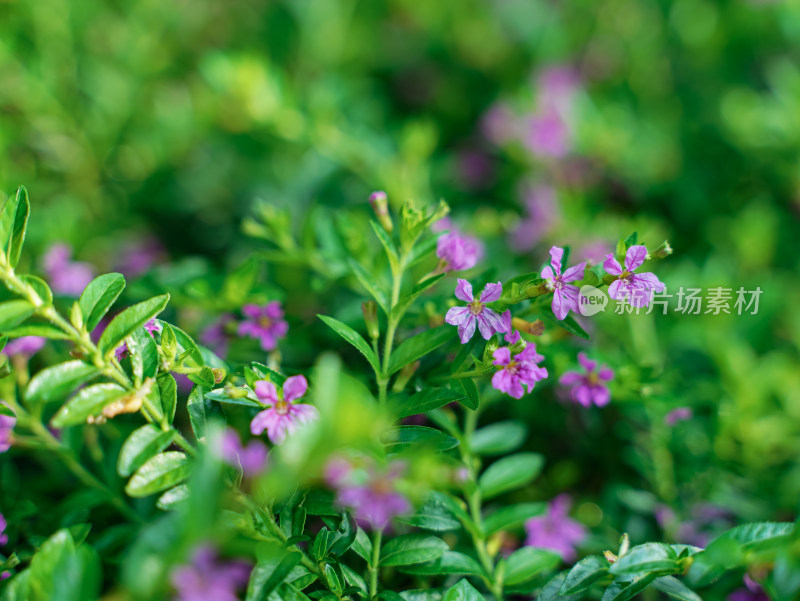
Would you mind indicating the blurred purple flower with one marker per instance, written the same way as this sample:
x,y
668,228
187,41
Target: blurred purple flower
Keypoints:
x,y
565,295
557,85
588,388
207,578
65,276
216,335
7,424
371,494
458,251
593,251
522,369
442,225
475,169
138,256
636,288
555,530
706,521
3,535
499,124
265,324
548,134
475,313
251,459
25,346
751,591
4,575
283,415
677,415
542,214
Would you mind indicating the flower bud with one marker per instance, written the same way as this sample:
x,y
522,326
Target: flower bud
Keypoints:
x,y
663,251
370,310
534,328
219,374
380,204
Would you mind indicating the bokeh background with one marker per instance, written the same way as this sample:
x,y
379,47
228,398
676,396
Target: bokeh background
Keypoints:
x,y
177,130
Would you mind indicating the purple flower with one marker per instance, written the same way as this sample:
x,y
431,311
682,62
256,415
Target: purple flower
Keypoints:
x,y
66,277
512,337
7,424
565,295
677,415
251,459
457,251
751,591
542,213
25,346
139,256
555,530
548,134
3,535
636,288
207,578
371,494
266,324
282,415
522,369
587,388
4,575
476,313
216,335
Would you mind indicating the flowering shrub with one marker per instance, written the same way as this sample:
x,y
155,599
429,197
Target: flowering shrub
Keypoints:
x,y
383,467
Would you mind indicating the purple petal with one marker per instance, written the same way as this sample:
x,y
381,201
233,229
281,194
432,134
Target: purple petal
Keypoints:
x,y
262,421
583,395
491,292
556,256
278,427
304,414
648,280
506,317
485,325
505,382
617,290
497,322
548,274
588,364
464,291
457,315
606,373
294,388
600,395
273,310
574,273
512,337
635,257
612,266
571,378
467,329
502,356
561,304
266,392
252,311
267,340
529,354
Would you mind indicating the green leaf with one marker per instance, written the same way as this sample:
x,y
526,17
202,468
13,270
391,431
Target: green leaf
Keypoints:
x,y
239,283
433,515
552,590
584,574
45,330
354,338
369,283
471,398
568,323
362,546
675,589
267,575
56,382
6,411
426,400
88,402
386,241
623,591
525,563
144,355
510,473
402,437
22,209
462,591
451,562
140,446
40,286
98,297
418,346
756,536
649,557
511,516
131,319
169,395
404,303
13,313
498,438
201,410
174,497
629,241
159,473
412,548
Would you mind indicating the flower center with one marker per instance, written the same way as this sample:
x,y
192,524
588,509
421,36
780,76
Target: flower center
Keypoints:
x,y
625,274
381,486
476,307
282,407
512,367
264,322
593,378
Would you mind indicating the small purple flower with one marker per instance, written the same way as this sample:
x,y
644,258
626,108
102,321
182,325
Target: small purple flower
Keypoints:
x,y
587,388
512,337
636,288
548,134
371,494
4,575
265,324
138,256
207,578
25,346
66,277
555,530
677,415
216,335
251,459
522,369
751,591
282,415
7,424
457,251
475,313
3,535
565,295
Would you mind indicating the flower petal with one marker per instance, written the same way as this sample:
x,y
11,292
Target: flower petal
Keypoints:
x,y
556,256
252,311
266,392
467,329
635,257
600,395
502,356
588,364
570,378
457,315
574,273
560,304
262,420
606,373
547,273
583,395
498,322
612,266
303,413
278,427
485,325
464,291
294,388
491,292
617,290
648,280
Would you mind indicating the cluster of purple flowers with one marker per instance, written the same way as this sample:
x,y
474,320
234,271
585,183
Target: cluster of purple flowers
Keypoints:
x,y
264,323
207,578
369,492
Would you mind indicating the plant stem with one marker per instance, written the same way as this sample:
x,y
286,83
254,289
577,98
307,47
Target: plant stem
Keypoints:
x,y
374,567
391,328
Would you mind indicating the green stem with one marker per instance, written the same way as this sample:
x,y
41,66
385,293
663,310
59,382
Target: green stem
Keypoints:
x,y
391,328
374,567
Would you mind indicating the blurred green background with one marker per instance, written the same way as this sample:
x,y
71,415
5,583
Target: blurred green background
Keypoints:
x,y
172,121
